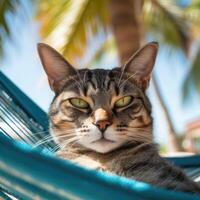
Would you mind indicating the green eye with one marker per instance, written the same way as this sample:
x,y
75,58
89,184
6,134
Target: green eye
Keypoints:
x,y
79,103
124,101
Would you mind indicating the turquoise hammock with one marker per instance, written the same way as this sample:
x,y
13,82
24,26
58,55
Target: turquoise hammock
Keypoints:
x,y
28,173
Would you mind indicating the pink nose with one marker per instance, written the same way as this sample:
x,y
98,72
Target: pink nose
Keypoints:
x,y
103,124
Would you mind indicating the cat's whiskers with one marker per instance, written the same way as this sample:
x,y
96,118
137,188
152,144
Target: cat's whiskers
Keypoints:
x,y
36,135
65,134
84,76
47,137
70,140
50,138
124,66
78,138
138,129
79,84
72,143
80,78
39,133
139,136
56,147
136,138
121,84
60,146
136,134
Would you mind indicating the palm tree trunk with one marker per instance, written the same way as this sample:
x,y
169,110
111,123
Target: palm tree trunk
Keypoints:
x,y
174,144
126,25
127,29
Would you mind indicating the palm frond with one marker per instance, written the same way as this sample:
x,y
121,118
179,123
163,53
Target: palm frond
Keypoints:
x,y
51,13
166,21
192,14
6,7
74,25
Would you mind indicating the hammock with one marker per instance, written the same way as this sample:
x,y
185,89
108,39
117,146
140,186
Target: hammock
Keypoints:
x,y
28,173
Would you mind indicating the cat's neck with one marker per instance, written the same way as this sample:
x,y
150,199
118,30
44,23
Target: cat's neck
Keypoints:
x,y
95,160
131,146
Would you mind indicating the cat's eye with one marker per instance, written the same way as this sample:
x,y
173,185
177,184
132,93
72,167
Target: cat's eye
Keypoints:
x,y
124,101
79,103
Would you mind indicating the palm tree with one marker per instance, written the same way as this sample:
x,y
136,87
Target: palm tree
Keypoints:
x,y
68,25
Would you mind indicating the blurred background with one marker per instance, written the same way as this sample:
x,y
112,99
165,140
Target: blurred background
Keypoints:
x,y
104,34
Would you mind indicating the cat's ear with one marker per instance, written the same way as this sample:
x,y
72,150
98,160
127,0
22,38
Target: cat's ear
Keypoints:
x,y
141,64
55,66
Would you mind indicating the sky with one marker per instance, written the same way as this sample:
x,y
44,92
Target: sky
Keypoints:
x,y
22,65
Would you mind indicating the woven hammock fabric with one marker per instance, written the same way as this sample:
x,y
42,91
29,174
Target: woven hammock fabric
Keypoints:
x,y
30,174
20,118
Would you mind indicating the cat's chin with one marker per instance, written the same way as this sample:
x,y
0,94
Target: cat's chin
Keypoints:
x,y
104,140
103,145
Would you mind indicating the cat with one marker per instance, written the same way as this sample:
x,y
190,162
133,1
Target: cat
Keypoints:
x,y
101,118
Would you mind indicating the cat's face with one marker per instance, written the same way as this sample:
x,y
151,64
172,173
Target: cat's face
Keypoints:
x,y
100,109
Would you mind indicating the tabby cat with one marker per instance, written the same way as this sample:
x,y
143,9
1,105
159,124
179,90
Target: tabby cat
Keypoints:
x,y
101,118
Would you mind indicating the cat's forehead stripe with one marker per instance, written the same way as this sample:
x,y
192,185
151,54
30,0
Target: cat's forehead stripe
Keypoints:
x,y
97,82
99,77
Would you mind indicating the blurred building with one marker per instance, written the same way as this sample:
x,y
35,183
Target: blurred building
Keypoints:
x,y
192,137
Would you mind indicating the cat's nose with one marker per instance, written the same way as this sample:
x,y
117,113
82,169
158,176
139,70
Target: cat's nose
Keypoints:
x,y
102,119
102,125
